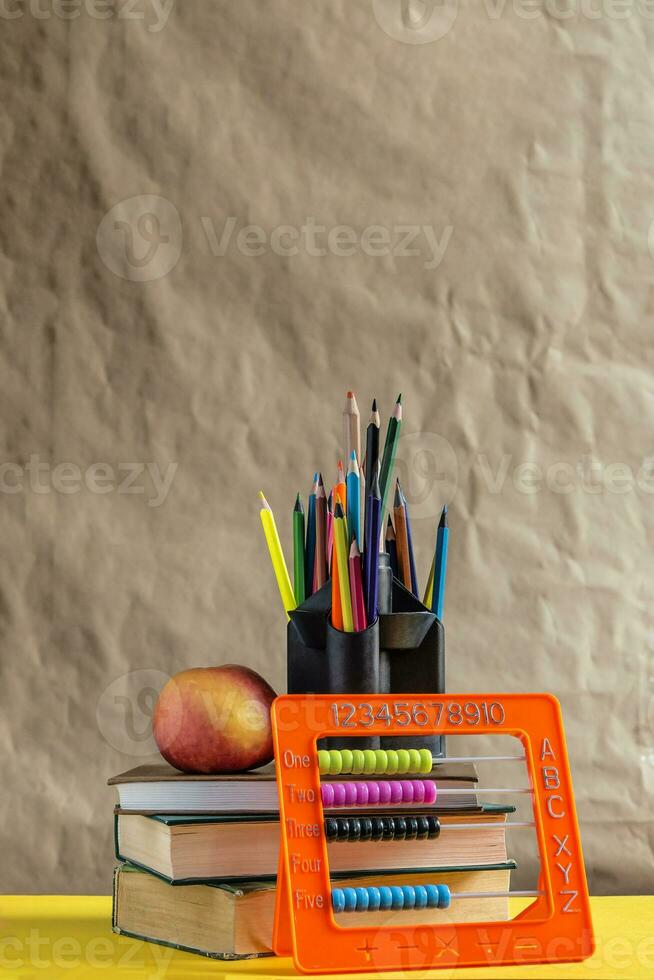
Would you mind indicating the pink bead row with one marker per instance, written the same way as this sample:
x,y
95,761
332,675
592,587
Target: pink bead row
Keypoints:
x,y
379,792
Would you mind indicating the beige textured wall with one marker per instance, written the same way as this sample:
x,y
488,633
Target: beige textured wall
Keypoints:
x,y
524,132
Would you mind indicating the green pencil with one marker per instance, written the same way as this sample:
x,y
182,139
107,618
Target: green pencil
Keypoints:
x,y
390,451
298,551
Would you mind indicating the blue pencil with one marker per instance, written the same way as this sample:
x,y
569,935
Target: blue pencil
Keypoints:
x,y
353,499
440,565
310,550
372,550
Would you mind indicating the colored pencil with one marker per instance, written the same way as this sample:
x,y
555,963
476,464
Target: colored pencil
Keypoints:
x,y
390,451
354,498
412,563
356,589
440,565
310,547
351,427
277,555
402,539
341,551
372,443
341,487
429,591
319,572
391,546
372,548
298,552
329,530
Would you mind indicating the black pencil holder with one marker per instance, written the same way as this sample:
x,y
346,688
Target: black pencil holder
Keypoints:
x,y
403,652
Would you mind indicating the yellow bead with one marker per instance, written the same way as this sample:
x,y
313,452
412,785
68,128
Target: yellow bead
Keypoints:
x,y
357,762
426,762
391,765
414,760
369,762
335,762
346,756
323,762
402,761
381,761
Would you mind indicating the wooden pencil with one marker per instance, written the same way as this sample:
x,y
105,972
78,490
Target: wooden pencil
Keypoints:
x,y
399,520
390,451
341,559
372,550
440,565
329,535
310,547
351,427
391,546
353,498
356,589
299,557
276,555
341,487
409,538
320,566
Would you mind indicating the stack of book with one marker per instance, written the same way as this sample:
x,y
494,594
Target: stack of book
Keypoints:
x,y
198,858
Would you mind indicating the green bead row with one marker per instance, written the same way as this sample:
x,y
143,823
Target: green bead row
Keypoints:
x,y
374,762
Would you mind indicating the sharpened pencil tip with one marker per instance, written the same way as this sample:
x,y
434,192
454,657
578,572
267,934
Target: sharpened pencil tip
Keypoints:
x,y
398,494
443,521
399,399
374,404
338,511
264,503
350,394
298,505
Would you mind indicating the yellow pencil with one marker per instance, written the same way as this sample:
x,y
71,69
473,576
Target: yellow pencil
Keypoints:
x,y
277,555
342,553
429,591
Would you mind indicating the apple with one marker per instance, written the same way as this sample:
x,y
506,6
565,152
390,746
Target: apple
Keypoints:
x,y
215,720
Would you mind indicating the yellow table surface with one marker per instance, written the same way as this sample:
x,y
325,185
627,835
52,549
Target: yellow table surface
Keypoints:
x,y
62,936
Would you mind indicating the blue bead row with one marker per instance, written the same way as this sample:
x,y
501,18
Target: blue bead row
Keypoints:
x,y
391,898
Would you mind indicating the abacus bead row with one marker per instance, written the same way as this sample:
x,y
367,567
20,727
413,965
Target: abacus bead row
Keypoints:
x,y
382,792
391,898
341,829
374,762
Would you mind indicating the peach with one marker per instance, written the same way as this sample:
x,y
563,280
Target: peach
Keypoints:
x,y
215,720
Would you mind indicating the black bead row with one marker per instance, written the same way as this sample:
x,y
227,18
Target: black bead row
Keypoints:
x,y
419,827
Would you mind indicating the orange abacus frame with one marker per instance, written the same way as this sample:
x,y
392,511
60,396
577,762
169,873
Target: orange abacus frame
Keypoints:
x,y
556,927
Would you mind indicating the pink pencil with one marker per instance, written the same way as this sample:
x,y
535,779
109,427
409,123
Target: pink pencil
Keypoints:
x,y
356,589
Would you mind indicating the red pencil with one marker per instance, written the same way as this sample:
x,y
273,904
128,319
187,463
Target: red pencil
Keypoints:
x,y
356,589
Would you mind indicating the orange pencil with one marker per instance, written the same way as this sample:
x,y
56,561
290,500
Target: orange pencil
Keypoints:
x,y
341,487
